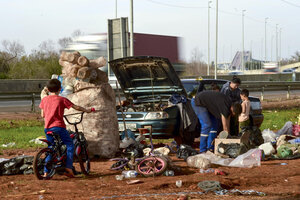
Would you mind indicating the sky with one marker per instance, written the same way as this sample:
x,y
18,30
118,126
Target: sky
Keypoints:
x,y
31,22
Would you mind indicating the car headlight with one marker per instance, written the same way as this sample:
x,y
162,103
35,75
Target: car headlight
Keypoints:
x,y
157,115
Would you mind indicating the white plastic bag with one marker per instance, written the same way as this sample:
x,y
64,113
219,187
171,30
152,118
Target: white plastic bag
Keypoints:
x,y
198,162
268,135
267,148
248,159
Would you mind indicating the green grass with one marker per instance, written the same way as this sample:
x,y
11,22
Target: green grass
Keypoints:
x,y
275,119
21,136
22,131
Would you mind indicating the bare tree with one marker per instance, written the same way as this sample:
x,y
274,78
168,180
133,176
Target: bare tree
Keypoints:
x,y
63,42
196,67
12,50
77,33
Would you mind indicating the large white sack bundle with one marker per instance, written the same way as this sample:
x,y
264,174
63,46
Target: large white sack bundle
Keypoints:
x,y
101,127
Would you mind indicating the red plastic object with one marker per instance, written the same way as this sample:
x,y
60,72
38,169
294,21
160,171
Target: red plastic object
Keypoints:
x,y
93,109
296,130
219,172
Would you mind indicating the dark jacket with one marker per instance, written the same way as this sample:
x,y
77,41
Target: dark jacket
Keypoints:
x,y
234,95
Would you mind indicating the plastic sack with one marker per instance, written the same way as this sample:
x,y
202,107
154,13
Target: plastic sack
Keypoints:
x,y
268,135
267,148
248,159
184,151
198,162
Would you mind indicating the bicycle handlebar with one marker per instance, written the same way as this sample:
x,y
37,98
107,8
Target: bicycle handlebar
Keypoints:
x,y
75,123
81,117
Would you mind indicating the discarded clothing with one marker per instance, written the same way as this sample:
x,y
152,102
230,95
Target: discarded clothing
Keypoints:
x,y
233,150
185,151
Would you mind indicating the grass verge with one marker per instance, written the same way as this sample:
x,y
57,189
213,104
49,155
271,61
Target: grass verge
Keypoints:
x,y
22,131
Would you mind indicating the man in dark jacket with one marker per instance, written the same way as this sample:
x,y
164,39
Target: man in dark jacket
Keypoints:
x,y
211,106
232,90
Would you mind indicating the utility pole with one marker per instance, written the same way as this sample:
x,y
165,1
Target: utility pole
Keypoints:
x,y
277,43
208,39
243,40
131,30
272,47
216,59
280,46
266,38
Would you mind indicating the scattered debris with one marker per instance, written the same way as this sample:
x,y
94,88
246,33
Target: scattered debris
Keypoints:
x,y
239,192
131,182
178,183
210,186
185,151
11,144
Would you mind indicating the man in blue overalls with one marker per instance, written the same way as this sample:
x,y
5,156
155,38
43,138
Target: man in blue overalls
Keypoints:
x,y
210,106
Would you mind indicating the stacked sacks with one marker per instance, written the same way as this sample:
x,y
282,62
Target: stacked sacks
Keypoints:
x,y
88,87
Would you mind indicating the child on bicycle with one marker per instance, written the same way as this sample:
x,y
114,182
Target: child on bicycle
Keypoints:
x,y
244,116
52,110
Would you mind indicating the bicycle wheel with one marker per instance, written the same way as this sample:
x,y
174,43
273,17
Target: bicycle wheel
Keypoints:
x,y
84,161
40,163
151,166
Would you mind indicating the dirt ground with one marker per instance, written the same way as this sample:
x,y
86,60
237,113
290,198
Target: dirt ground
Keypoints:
x,y
276,180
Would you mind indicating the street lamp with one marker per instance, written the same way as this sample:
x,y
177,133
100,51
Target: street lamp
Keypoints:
x,y
216,58
277,43
266,38
243,41
208,39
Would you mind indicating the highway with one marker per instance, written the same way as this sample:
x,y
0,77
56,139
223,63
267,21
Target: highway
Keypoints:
x,y
25,105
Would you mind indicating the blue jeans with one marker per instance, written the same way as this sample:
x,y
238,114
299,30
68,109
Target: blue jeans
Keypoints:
x,y
209,127
66,139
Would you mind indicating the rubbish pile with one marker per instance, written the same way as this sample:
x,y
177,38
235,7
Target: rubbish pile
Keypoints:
x,y
84,84
16,165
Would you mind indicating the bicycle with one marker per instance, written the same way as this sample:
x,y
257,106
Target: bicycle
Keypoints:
x,y
57,153
152,165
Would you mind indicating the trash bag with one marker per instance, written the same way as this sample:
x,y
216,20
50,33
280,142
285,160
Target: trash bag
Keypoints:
x,y
135,150
16,165
100,128
267,148
254,137
198,162
249,159
233,150
185,151
268,135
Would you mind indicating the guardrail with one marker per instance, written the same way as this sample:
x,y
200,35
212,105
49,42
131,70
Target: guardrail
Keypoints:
x,y
252,86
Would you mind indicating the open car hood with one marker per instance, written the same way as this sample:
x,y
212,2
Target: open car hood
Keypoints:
x,y
146,78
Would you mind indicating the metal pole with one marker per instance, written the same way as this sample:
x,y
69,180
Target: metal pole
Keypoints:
x,y
116,4
216,58
208,39
266,39
277,43
131,31
272,47
279,47
243,40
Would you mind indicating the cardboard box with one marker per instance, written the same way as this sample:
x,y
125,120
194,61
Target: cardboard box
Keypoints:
x,y
224,141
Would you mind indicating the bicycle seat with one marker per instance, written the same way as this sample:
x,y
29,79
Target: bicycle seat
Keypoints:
x,y
51,133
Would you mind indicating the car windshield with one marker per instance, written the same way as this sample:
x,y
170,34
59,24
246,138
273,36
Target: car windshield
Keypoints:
x,y
270,70
190,87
